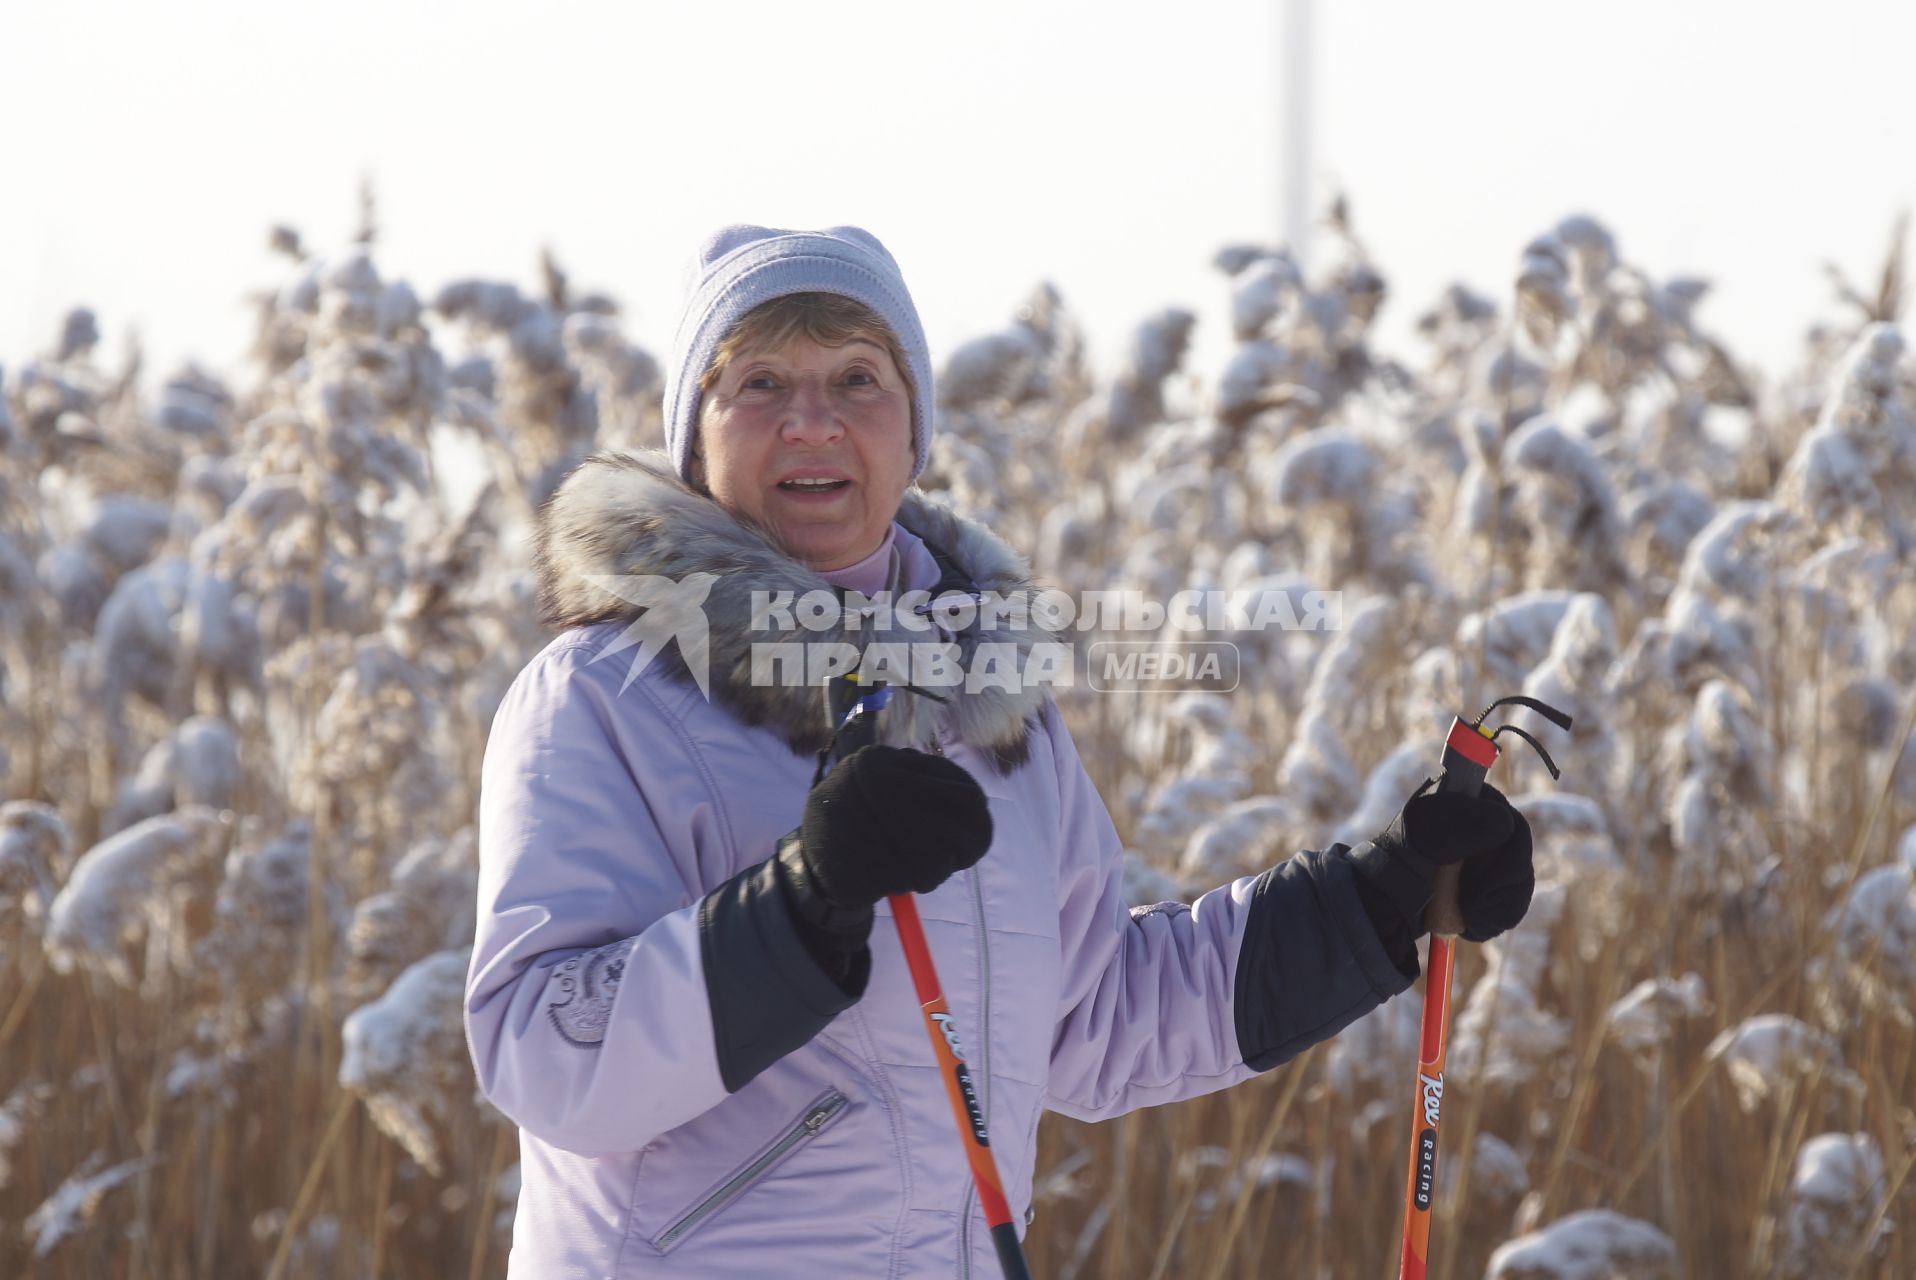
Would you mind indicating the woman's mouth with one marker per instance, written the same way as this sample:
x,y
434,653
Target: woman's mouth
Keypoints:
x,y
813,488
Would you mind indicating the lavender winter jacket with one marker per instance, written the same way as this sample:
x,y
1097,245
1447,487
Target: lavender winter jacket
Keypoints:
x,y
696,1097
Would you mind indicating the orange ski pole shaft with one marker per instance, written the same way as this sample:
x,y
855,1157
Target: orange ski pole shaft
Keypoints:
x,y
1432,1048
965,1105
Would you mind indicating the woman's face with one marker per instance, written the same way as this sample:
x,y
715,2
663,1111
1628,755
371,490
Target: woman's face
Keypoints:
x,y
810,412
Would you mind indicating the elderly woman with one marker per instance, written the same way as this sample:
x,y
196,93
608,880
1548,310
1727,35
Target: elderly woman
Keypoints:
x,y
686,987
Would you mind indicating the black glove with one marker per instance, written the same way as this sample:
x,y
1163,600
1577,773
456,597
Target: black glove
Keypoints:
x,y
885,820
1436,828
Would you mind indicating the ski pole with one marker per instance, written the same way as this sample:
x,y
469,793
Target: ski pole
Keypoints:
x,y
852,710
1469,751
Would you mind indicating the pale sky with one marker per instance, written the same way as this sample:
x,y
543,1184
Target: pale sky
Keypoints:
x,y
1106,146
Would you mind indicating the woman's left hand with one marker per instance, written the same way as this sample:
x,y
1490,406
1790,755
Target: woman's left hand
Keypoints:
x,y
1484,832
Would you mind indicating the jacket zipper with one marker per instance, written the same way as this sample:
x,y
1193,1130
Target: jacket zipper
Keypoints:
x,y
984,1042
984,1061
816,1117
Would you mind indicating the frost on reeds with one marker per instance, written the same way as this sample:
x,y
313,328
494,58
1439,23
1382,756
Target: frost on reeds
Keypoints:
x,y
429,907
1506,1034
1648,1017
1659,518
1774,1052
1335,502
23,1109
1118,415
623,380
195,403
1836,1192
79,1202
1302,344
1351,689
1605,324
403,1055
134,887
367,741
1265,287
196,764
1395,777
1156,351
1498,1177
1571,678
1856,472
1144,885
1710,624
1594,1244
1009,367
35,852
1543,290
1242,840
1513,635
260,914
1721,759
547,408
1283,1171
1376,1054
1872,957
1574,850
1216,771
1563,500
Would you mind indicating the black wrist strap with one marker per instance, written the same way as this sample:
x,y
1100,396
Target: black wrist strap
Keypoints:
x,y
1399,942
1399,878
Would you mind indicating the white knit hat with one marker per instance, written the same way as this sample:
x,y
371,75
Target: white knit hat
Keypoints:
x,y
739,267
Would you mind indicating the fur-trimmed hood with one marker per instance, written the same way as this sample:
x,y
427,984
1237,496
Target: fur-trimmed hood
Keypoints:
x,y
628,513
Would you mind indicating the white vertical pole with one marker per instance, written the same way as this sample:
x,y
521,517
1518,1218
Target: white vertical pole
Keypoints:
x,y
1297,129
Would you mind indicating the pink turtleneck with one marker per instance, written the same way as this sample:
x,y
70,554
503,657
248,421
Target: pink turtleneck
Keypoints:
x,y
870,575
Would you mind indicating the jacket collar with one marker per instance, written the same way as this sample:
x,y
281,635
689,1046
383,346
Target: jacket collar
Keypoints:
x,y
629,513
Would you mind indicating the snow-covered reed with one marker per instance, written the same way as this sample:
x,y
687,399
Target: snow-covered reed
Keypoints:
x,y
1595,1244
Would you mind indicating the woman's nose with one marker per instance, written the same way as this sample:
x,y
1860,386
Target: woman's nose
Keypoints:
x,y
810,417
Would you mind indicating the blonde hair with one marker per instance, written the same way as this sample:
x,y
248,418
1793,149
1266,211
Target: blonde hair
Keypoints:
x,y
829,319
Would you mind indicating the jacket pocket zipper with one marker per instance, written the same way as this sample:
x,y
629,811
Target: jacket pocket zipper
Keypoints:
x,y
817,1116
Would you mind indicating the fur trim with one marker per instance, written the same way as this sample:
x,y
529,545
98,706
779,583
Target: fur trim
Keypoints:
x,y
629,513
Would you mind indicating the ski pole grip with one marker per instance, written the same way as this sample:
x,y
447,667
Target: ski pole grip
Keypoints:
x,y
1443,917
1468,754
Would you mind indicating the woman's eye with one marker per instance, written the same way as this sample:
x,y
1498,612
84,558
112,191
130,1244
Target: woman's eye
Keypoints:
x,y
758,382
862,378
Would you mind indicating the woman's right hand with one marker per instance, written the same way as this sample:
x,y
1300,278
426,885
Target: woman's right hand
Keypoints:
x,y
889,820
